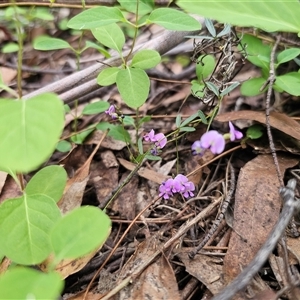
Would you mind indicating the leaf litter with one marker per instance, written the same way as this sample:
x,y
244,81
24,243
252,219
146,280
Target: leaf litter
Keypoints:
x,y
153,257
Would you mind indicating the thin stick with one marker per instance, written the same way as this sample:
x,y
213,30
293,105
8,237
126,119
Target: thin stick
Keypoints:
x,y
220,216
271,81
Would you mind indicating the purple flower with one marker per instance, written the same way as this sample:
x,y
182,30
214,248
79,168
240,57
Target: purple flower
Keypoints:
x,y
197,148
160,140
180,184
165,189
189,188
150,137
112,112
214,141
234,134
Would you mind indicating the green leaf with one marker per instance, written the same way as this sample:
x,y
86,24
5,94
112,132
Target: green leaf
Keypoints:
x,y
89,44
115,131
110,36
252,86
289,82
258,53
95,108
189,119
144,120
133,85
30,284
108,76
287,55
178,121
127,120
79,232
140,146
49,181
210,27
145,59
212,87
10,48
205,66
268,15
46,43
202,117
80,137
173,19
254,131
187,129
230,88
96,17
25,225
197,89
145,6
63,146
29,131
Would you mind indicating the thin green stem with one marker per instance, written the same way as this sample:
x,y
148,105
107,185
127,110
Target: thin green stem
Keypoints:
x,y
135,33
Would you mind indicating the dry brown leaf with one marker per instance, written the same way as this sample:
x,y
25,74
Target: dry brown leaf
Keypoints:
x,y
3,176
144,172
108,142
156,282
279,121
10,189
205,268
125,203
67,267
7,75
104,175
257,207
75,186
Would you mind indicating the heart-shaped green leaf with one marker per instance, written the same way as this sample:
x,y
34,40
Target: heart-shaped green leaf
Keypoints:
x,y
110,36
29,131
133,85
49,181
25,225
80,232
145,59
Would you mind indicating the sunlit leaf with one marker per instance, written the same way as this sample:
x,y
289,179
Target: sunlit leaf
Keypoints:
x,y
29,131
25,225
173,19
268,15
80,232
30,284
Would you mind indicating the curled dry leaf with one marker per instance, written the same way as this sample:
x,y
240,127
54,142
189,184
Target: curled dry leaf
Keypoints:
x,y
279,121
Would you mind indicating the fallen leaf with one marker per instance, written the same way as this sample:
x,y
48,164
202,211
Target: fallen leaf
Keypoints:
x,y
206,269
75,186
257,207
144,172
157,281
279,121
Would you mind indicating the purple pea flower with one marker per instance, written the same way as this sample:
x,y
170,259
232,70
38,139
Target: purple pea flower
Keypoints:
x,y
197,149
165,189
150,137
214,141
234,134
112,112
160,140
180,184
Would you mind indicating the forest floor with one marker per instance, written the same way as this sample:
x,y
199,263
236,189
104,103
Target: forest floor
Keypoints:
x,y
148,257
